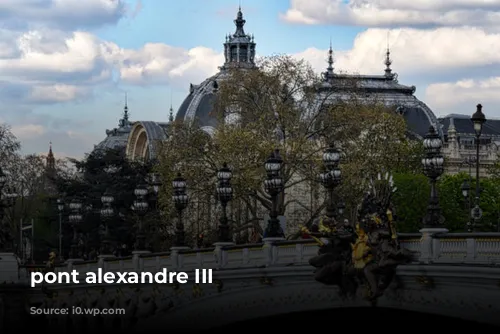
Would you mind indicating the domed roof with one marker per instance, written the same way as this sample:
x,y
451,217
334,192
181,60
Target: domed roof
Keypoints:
x,y
386,89
199,103
117,138
239,52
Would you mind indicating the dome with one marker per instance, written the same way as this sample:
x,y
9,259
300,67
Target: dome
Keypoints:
x,y
198,105
117,138
239,52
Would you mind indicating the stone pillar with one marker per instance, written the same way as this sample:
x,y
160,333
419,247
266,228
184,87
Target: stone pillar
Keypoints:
x,y
174,255
270,249
219,253
430,246
101,263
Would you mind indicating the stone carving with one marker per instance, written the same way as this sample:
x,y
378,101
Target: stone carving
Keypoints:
x,y
366,255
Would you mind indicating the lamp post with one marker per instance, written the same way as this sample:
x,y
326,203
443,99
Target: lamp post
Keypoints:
x,y
466,194
155,182
274,186
60,209
433,165
478,119
3,181
225,194
181,200
141,207
106,213
75,218
331,177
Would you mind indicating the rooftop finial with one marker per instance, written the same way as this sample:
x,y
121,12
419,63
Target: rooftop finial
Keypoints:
x,y
388,61
239,22
329,74
239,48
125,109
171,114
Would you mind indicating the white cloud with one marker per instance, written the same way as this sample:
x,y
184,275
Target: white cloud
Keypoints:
x,y
394,12
450,95
414,51
28,131
157,63
57,93
66,14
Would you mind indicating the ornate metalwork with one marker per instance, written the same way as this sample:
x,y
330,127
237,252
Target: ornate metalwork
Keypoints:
x,y
365,255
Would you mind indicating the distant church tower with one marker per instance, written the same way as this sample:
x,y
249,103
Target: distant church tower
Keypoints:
x,y
50,171
239,48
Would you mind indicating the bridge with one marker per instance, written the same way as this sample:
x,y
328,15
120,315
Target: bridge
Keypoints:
x,y
452,274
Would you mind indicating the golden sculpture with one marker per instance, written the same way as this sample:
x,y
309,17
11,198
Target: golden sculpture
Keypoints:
x,y
361,250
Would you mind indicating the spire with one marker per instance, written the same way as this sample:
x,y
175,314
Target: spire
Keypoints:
x,y
124,121
51,161
125,108
239,48
329,74
171,115
239,22
388,61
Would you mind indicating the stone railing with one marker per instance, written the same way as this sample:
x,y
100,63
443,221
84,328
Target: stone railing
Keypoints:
x,y
430,246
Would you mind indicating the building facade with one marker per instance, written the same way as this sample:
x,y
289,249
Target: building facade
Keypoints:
x,y
138,138
460,144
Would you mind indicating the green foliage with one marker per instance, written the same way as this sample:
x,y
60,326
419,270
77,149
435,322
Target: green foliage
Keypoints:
x,y
105,171
413,193
410,200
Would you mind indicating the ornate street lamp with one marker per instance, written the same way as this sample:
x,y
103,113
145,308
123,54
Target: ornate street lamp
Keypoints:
x,y
60,209
274,186
3,181
181,201
331,177
478,119
433,165
141,207
155,183
4,204
107,212
225,194
75,218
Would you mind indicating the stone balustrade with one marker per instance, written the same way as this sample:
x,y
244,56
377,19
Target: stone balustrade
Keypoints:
x,y
431,246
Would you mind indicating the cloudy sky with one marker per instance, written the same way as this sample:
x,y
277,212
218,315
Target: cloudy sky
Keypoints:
x,y
65,65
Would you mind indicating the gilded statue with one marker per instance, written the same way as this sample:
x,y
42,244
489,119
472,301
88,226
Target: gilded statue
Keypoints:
x,y
364,255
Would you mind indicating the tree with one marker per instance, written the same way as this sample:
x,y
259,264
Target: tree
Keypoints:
x,y
277,106
410,201
100,172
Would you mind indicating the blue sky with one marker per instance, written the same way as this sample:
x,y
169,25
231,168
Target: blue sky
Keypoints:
x,y
65,73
